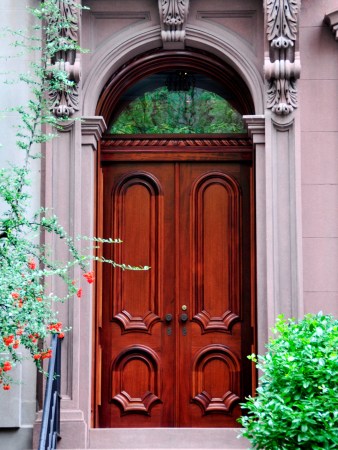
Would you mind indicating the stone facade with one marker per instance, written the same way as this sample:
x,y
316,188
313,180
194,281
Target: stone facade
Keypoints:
x,y
286,53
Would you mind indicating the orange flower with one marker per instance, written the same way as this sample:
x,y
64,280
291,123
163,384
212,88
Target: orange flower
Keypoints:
x,y
61,335
47,354
37,356
31,264
7,366
79,293
15,295
8,340
16,343
56,327
89,276
38,299
34,337
6,387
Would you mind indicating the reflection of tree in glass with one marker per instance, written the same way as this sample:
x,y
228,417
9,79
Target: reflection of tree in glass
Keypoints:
x,y
163,111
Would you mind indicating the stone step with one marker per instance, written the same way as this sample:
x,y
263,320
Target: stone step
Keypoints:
x,y
166,439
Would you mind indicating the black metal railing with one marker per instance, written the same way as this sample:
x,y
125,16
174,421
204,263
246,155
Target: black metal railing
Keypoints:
x,y
50,426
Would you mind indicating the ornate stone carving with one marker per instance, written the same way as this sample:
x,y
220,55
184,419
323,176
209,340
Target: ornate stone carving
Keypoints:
x,y
173,15
282,65
65,101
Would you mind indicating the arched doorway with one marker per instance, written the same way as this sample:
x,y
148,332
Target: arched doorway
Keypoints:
x,y
171,343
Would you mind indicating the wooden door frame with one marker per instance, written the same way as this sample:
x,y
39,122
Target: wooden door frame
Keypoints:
x,y
113,148
220,147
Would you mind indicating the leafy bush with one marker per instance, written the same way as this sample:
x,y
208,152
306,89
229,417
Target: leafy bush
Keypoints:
x,y
297,402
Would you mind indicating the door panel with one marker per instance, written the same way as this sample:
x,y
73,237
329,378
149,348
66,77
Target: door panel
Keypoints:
x,y
190,221
137,353
210,234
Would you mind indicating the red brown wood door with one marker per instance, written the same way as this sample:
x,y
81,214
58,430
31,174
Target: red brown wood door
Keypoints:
x,y
174,339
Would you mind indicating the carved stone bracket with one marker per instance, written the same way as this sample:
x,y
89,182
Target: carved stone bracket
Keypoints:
x,y
65,101
282,64
332,20
173,17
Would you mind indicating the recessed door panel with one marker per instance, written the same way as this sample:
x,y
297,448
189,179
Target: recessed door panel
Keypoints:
x,y
138,221
215,223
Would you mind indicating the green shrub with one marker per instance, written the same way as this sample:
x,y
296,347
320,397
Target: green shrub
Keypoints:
x,y
297,402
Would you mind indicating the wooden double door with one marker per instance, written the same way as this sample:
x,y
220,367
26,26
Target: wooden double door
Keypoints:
x,y
174,339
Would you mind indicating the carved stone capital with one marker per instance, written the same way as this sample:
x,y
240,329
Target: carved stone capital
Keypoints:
x,y
92,129
65,101
173,18
256,128
282,63
332,20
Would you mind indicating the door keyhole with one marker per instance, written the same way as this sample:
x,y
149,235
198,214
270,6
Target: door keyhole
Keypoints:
x,y
168,318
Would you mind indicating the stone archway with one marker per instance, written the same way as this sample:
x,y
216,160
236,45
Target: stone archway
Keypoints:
x,y
277,197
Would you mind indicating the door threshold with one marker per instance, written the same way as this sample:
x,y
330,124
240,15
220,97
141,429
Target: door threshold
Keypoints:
x,y
166,438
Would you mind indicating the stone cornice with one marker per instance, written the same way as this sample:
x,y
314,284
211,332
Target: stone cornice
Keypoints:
x,y
92,129
331,19
256,128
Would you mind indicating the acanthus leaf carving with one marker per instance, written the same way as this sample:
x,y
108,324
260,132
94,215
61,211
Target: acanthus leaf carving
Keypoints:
x,y
64,101
282,96
173,16
282,66
282,22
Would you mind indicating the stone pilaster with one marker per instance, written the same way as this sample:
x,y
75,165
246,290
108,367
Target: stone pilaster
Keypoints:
x,y
278,219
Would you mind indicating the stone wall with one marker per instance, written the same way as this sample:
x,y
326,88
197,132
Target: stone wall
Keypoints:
x,y
319,140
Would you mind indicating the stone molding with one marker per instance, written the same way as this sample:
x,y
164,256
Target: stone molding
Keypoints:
x,y
173,18
109,58
282,64
65,102
256,128
331,19
92,129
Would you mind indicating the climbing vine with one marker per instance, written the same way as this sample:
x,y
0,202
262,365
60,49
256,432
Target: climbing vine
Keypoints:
x,y
27,267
